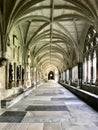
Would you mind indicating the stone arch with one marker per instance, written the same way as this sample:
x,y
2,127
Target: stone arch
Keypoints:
x,y
51,75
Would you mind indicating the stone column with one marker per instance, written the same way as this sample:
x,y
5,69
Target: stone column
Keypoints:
x,y
10,75
36,77
25,75
28,76
15,74
65,76
59,76
80,71
97,67
32,76
84,69
87,69
70,75
20,75
7,76
91,81
39,77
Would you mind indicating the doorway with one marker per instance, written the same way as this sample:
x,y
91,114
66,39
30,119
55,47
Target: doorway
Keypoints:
x,y
51,75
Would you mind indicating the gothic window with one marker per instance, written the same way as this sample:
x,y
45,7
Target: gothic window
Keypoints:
x,y
22,74
90,55
18,74
10,73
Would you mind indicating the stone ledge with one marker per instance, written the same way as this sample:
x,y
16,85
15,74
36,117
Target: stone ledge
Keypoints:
x,y
90,88
89,98
10,101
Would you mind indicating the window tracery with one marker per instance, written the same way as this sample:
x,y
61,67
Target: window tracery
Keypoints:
x,y
89,55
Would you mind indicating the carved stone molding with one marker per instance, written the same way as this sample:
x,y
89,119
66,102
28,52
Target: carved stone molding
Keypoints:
x,y
3,61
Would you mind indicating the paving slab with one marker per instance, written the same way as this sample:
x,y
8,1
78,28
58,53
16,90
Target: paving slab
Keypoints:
x,y
49,107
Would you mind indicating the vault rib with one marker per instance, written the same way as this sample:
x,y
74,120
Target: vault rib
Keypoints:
x,y
51,26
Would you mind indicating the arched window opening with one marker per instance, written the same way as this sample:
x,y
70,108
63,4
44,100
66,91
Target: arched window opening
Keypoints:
x,y
89,57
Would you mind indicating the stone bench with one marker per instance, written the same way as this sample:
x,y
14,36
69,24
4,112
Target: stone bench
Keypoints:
x,y
9,100
5,103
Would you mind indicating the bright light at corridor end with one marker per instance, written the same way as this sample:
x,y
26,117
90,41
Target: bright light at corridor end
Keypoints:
x,y
49,68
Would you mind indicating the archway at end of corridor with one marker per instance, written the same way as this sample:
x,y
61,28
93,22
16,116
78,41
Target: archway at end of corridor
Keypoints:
x,y
51,75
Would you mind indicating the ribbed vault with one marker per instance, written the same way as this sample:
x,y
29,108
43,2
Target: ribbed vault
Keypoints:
x,y
50,30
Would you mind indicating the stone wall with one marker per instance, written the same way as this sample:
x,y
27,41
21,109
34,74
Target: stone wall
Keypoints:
x,y
88,97
3,92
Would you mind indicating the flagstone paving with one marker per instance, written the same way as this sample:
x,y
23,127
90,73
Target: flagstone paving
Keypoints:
x,y
49,107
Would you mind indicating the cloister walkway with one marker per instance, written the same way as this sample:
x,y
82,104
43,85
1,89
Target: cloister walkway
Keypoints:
x,y
49,107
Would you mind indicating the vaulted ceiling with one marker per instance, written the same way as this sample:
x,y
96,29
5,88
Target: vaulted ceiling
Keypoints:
x,y
52,30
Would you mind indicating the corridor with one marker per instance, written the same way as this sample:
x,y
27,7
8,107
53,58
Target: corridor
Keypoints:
x,y
49,107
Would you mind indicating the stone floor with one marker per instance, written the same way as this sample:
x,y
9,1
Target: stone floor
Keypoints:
x,y
49,107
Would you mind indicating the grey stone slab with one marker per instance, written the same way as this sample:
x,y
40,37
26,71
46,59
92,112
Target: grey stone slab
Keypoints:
x,y
52,126
3,125
49,94
41,120
12,116
79,127
96,123
23,126
36,102
56,114
64,99
46,108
